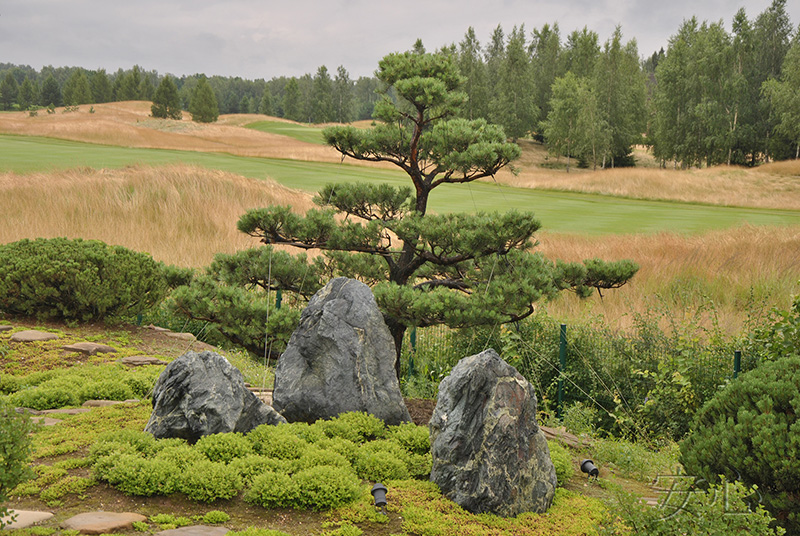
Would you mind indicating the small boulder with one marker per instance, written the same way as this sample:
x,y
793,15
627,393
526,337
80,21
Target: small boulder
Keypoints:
x,y
489,455
200,394
5,327
339,359
32,335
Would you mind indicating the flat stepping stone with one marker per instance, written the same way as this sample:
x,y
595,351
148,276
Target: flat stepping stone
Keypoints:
x,y
6,327
181,336
157,328
104,403
141,360
65,411
89,348
26,518
102,522
46,421
195,530
32,335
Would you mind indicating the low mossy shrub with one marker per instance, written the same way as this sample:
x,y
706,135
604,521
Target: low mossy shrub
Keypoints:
x,y
224,447
106,390
276,442
749,431
207,481
272,490
413,438
314,456
180,456
42,398
77,280
355,426
254,531
562,461
380,466
249,467
134,475
215,517
70,485
324,487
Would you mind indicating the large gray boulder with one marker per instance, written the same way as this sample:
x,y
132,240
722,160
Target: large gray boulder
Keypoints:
x,y
340,358
200,394
488,452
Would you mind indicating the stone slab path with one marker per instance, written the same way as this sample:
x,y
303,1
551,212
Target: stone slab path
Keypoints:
x,y
32,335
102,522
27,518
195,530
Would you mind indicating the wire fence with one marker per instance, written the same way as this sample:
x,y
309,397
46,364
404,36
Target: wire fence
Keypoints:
x,y
644,383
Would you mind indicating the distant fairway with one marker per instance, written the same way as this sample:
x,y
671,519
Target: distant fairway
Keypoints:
x,y
293,130
558,211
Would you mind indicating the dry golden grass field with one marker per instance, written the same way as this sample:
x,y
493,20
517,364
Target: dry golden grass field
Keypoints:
x,y
184,215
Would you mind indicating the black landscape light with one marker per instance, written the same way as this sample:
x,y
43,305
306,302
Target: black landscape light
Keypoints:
x,y
379,492
588,467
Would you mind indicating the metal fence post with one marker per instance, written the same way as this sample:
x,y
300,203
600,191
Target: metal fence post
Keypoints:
x,y
737,363
412,337
278,299
562,365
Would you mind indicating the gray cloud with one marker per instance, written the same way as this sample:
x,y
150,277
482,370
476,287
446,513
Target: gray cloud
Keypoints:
x,y
266,38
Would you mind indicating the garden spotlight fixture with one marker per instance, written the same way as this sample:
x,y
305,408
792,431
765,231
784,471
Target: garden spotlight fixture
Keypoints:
x,y
379,492
588,467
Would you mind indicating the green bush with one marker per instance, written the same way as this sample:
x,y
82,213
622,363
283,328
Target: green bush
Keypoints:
x,y
749,431
346,448
143,442
215,517
8,384
413,438
380,466
722,510
106,390
15,445
180,456
207,481
224,447
134,475
253,531
356,426
249,467
41,398
325,487
562,461
77,280
273,490
314,456
276,442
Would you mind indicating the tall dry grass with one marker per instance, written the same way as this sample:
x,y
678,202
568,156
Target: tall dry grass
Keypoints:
x,y
727,276
179,214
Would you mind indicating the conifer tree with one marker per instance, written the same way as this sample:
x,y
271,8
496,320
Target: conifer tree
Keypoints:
x,y
424,269
203,106
166,101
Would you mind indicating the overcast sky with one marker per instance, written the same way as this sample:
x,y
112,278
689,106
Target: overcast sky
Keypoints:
x,y
265,38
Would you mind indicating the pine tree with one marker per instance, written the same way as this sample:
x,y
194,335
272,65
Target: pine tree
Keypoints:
x,y
77,89
265,106
28,94
514,107
203,106
51,93
166,101
342,96
425,269
8,91
472,67
291,101
322,97
101,86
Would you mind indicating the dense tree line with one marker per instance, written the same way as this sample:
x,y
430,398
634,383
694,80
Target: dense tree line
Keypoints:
x,y
711,97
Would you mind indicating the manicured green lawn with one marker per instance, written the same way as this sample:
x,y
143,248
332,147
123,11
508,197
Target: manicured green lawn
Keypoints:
x,y
558,211
298,132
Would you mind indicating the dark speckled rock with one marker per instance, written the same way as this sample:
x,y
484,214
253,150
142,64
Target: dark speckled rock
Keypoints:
x,y
488,452
339,359
200,394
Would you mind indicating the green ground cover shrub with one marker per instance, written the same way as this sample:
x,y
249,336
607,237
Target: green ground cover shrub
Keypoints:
x,y
224,447
15,448
725,509
77,280
562,461
750,431
207,481
273,490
